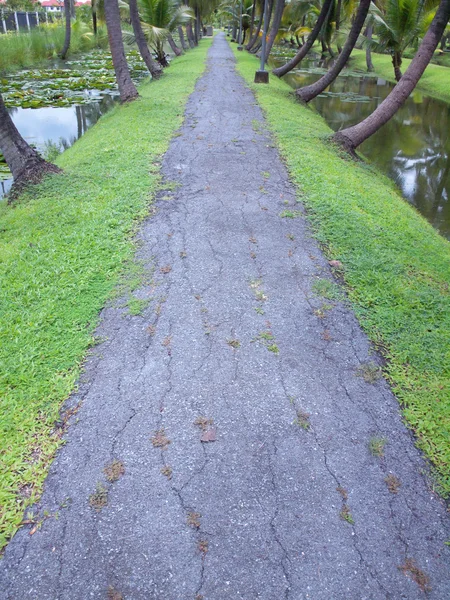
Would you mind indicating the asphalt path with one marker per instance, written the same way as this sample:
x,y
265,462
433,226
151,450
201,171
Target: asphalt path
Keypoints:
x,y
235,409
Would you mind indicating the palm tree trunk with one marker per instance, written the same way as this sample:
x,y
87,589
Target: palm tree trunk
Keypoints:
x,y
154,69
255,35
23,161
68,17
309,42
338,22
127,89
278,13
369,63
190,34
397,62
197,26
311,91
173,46
352,137
252,21
182,38
94,21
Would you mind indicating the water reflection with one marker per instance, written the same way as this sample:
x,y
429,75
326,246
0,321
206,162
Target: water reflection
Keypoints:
x,y
413,148
58,126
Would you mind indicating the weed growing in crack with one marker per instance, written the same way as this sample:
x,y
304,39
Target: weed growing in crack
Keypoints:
x,y
167,472
165,270
234,343
265,174
252,255
252,240
290,236
183,254
259,310
290,214
167,340
393,483
322,311
376,446
114,471
151,330
99,499
273,348
343,492
193,520
302,419
346,515
326,335
370,372
114,594
410,568
160,440
203,546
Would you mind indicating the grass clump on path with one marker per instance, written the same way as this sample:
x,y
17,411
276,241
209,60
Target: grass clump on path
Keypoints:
x,y
396,266
435,81
62,249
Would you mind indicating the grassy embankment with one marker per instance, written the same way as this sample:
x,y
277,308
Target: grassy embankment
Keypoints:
x,y
434,82
62,249
396,266
31,49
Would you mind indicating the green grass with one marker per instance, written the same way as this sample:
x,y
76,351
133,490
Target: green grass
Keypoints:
x,y
435,81
396,266
62,250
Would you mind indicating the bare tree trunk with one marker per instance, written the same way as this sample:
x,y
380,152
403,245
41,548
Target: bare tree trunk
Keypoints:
x,y
352,137
190,35
127,89
309,42
278,13
397,62
255,36
173,46
182,38
369,63
23,161
311,91
197,26
67,17
154,69
252,21
338,22
94,22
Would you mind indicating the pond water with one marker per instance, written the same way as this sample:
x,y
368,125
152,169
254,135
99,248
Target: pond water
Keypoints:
x,y
413,148
54,107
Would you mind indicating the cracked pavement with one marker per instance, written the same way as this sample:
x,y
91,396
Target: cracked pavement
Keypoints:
x,y
235,333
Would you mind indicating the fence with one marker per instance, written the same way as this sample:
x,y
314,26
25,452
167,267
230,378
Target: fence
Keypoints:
x,y
24,21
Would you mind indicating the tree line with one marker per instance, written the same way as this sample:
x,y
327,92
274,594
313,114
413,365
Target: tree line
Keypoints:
x,y
387,25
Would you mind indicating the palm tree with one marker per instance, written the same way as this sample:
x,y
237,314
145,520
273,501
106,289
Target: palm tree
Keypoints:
x,y
23,161
397,27
280,71
159,19
352,137
127,89
275,25
154,69
309,92
68,17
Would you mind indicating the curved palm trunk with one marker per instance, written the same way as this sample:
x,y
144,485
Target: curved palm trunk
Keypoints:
x,y
23,161
369,63
154,69
68,17
311,91
182,38
352,137
253,39
277,15
309,42
173,46
127,89
252,21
